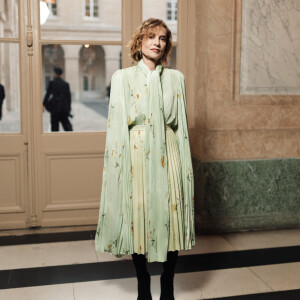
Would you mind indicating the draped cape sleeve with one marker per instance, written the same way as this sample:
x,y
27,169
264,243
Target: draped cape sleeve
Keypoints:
x,y
186,164
115,228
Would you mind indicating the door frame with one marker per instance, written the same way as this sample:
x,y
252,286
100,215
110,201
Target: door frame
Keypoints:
x,y
38,152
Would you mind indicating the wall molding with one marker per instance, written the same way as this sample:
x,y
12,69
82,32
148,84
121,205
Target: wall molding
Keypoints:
x,y
238,99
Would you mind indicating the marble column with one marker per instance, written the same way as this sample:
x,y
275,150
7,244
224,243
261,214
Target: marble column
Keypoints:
x,y
112,61
72,76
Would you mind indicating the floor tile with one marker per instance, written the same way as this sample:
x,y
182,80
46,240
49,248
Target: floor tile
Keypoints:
x,y
188,286
264,239
46,230
125,289
4,278
48,254
106,289
49,292
280,277
198,285
219,283
53,237
209,244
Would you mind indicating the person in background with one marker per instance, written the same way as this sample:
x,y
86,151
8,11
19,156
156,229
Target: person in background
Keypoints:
x,y
58,102
2,96
108,91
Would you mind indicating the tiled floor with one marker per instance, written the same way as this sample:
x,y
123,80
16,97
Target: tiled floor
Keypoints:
x,y
207,283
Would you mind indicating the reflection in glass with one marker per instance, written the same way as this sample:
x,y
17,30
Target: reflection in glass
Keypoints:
x,y
91,8
9,19
172,60
52,6
10,88
172,10
162,9
88,70
44,12
95,20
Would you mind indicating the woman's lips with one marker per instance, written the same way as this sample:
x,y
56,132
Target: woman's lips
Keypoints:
x,y
156,50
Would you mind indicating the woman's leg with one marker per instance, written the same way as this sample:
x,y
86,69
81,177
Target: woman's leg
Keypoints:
x,y
167,277
143,277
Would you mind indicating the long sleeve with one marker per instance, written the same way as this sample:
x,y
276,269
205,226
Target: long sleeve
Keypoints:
x,y
187,169
114,233
48,93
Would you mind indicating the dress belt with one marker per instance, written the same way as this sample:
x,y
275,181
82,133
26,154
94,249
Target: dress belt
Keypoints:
x,y
143,127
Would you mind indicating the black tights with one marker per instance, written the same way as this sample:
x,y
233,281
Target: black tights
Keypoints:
x,y
166,279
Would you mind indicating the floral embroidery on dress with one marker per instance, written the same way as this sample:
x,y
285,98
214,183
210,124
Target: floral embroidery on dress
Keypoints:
x,y
162,161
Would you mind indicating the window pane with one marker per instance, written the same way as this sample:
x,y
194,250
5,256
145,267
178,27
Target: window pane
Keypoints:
x,y
87,11
10,88
54,9
82,20
52,5
95,11
88,70
165,10
9,19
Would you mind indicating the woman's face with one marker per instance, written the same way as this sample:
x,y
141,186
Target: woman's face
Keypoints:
x,y
153,46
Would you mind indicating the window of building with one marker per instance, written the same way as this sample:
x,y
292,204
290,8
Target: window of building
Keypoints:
x,y
52,5
172,10
85,83
92,8
88,83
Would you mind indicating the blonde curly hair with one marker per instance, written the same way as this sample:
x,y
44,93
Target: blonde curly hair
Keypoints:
x,y
143,32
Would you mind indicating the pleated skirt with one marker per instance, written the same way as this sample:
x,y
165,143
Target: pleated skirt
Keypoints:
x,y
176,239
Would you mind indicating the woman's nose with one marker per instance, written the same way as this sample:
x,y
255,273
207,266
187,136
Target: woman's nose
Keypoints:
x,y
157,41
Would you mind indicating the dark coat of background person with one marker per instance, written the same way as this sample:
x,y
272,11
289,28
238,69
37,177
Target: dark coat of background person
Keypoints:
x,y
2,96
58,102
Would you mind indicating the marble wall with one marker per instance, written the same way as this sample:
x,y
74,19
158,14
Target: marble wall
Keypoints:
x,y
242,116
247,195
229,125
270,57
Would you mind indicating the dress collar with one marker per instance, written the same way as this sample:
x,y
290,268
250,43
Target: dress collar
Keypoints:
x,y
146,70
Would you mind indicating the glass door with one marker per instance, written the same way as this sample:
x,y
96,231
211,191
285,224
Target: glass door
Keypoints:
x,y
14,138
79,48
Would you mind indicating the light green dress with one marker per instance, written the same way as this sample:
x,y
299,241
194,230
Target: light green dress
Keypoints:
x,y
147,190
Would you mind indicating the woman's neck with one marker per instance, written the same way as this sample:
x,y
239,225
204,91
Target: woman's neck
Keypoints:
x,y
150,63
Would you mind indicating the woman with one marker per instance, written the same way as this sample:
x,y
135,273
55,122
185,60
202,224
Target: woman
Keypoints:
x,y
147,190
